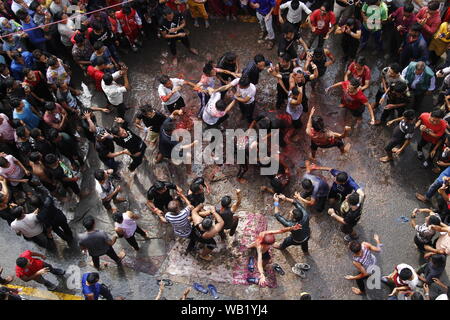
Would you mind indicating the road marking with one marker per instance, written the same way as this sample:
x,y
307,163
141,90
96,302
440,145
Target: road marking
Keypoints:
x,y
43,294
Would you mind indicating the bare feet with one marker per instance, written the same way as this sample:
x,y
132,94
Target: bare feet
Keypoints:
x,y
357,291
422,198
347,148
386,159
121,255
206,258
175,61
242,180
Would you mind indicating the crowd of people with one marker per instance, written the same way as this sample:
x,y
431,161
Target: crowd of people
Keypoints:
x,y
43,123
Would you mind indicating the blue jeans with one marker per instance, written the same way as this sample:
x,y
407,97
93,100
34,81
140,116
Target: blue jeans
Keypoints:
x,y
437,183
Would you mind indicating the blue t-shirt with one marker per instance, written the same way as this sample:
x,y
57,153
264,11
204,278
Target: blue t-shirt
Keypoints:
x,y
264,6
27,116
36,36
92,289
320,186
345,188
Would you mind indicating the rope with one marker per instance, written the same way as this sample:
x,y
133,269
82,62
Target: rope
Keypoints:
x,y
71,17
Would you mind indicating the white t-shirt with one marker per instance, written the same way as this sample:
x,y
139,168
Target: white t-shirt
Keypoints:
x,y
163,91
105,189
211,115
28,226
6,131
412,284
128,225
247,92
13,171
114,91
295,16
294,110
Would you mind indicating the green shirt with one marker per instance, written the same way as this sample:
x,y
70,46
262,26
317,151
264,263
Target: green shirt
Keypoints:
x,y
375,15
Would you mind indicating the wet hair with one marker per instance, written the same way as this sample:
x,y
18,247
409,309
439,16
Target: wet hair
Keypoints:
x,y
99,174
93,277
17,212
361,60
35,181
244,81
208,68
225,201
195,187
117,217
417,27
405,274
399,87
207,223
342,177
317,123
21,132
409,114
434,220
98,45
34,5
159,185
3,162
298,214
259,58
167,11
35,156
50,158
437,114
164,79
79,38
51,62
395,67
89,222
355,83
230,56
287,28
268,239
173,206
408,7
115,130
107,78
21,262
170,127
49,106
307,184
354,246
433,5
353,199
295,4
221,105
438,260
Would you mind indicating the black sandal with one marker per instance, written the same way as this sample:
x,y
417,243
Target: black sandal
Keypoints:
x,y
278,269
167,282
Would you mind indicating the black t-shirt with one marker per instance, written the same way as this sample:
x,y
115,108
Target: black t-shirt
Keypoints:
x,y
404,130
227,216
165,140
223,64
288,46
196,199
175,23
43,146
351,217
49,212
107,37
56,173
285,73
132,142
161,200
155,122
104,148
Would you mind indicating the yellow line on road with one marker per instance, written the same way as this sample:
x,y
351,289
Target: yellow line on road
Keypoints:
x,y
43,294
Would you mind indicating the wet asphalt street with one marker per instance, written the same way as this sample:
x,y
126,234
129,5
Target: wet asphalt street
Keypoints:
x,y
389,188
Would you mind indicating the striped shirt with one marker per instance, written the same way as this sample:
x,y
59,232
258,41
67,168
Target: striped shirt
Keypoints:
x,y
180,222
367,259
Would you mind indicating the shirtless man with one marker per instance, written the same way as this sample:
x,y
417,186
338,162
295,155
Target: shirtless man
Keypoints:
x,y
262,244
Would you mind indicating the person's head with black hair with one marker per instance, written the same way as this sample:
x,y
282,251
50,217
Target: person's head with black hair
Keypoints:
x,y
225,202
433,6
98,46
295,4
18,212
50,159
221,105
196,188
22,262
260,61
50,106
89,223
53,134
97,26
341,178
295,92
174,207
160,187
288,31
438,260
405,274
207,223
17,57
305,296
22,132
168,14
433,220
297,214
354,84
208,69
108,78
15,123
230,57
355,246
394,69
17,104
284,59
414,31
35,201
170,127
408,9
409,115
353,198
23,15
93,278
126,8
399,87
165,81
264,123
79,39
53,63
4,69
100,175
318,124
307,185
117,217
437,114
244,82
100,62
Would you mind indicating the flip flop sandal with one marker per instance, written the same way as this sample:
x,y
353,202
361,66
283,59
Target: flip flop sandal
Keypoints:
x,y
199,288
212,289
402,219
303,266
251,264
167,282
276,267
299,272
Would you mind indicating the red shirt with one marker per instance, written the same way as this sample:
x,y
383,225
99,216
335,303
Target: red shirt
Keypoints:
x,y
97,75
432,25
34,266
438,128
322,22
352,101
363,77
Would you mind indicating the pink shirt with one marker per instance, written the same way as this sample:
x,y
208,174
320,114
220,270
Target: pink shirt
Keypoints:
x,y
13,171
6,131
431,26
